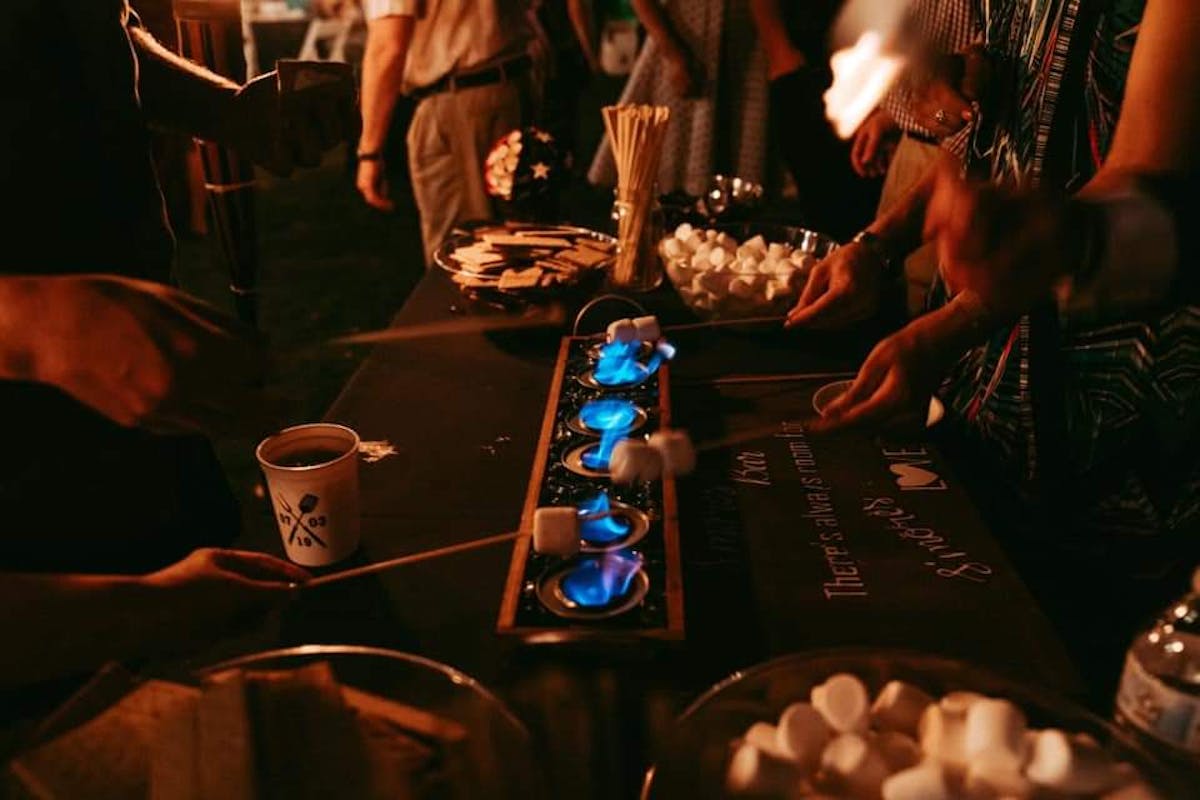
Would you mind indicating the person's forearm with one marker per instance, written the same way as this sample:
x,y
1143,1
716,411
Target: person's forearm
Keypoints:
x,y
56,625
769,24
383,76
654,20
900,227
18,299
180,95
965,322
580,13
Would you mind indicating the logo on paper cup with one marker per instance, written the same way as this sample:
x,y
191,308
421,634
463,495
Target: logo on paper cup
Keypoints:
x,y
302,522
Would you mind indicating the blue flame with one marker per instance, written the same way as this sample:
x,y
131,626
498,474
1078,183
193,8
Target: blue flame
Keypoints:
x,y
617,364
597,456
605,415
601,580
602,531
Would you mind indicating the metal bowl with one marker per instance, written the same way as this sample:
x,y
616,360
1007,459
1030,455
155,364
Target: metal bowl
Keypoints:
x,y
735,292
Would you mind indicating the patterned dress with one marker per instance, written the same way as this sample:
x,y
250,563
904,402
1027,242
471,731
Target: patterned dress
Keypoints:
x,y
724,129
1095,426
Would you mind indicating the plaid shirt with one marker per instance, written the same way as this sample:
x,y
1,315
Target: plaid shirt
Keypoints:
x,y
946,26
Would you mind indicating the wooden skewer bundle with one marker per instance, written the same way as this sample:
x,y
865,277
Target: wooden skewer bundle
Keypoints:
x,y
636,134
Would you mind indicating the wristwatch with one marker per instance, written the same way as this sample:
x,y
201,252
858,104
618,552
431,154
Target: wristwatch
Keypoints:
x,y
875,244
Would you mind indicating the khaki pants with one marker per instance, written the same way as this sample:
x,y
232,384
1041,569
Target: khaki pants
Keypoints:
x,y
448,141
910,162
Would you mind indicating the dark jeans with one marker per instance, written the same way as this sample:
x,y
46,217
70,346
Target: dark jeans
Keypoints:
x,y
832,198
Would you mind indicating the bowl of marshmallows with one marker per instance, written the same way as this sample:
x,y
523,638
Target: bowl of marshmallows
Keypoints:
x,y
741,270
895,725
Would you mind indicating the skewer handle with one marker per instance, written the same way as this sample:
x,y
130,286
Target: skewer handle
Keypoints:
x,y
383,566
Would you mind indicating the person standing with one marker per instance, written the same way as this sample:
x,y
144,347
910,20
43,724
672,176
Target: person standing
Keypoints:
x,y
830,197
927,114
474,68
704,61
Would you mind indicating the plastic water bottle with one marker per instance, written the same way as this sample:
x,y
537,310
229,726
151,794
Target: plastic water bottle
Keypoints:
x,y
1158,699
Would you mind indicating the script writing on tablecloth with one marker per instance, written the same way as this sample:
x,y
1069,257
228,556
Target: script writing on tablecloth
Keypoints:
x,y
909,469
844,539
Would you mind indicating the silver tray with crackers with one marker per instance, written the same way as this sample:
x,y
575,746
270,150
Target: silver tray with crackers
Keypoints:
x,y
523,259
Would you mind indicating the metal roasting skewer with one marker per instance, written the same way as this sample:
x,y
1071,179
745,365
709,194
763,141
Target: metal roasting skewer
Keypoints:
x,y
427,555
450,327
475,544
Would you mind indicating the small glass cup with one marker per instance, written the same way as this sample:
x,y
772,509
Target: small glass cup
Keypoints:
x,y
312,476
638,228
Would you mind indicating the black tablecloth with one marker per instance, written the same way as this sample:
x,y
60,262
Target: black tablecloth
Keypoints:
x,y
464,412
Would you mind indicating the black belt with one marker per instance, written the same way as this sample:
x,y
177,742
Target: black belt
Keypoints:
x,y
506,70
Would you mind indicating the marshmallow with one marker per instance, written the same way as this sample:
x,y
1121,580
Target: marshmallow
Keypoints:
x,y
776,250
899,706
634,460
693,242
556,530
1070,764
673,248
676,451
742,286
996,729
726,242
991,777
719,257
703,251
898,750
776,291
927,781
959,702
684,231
756,243
747,264
710,235
941,735
802,735
850,763
622,330
764,736
647,328
843,702
753,771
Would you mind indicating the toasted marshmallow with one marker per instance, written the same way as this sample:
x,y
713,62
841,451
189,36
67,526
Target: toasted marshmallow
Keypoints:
x,y
556,530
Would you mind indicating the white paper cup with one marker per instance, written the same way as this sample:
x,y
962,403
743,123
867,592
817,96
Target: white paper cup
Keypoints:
x,y
312,477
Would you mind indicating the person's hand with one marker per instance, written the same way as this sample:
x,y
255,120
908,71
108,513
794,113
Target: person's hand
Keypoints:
x,y
873,143
213,593
894,385
842,289
941,99
372,184
784,61
142,354
290,117
1009,246
682,69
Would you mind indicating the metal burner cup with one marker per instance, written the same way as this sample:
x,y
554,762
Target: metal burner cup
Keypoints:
x,y
554,592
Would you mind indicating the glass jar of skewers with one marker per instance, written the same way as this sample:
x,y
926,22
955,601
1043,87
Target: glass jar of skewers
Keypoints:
x,y
638,225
